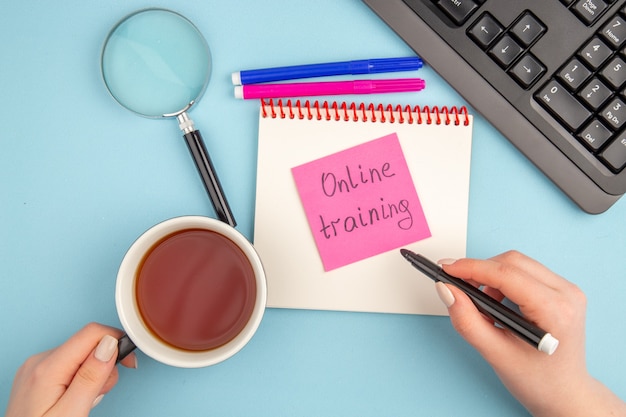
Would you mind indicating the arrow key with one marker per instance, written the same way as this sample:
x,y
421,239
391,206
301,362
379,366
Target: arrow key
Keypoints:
x,y
505,51
485,30
528,28
527,70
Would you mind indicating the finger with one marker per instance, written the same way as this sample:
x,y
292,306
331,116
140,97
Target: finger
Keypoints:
x,y
111,381
474,283
130,361
65,360
90,379
450,261
509,280
531,267
493,293
478,331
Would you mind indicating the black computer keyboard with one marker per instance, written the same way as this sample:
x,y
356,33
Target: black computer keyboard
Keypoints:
x,y
549,74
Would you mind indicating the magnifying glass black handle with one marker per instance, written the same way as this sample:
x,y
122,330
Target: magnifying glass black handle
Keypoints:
x,y
124,347
209,176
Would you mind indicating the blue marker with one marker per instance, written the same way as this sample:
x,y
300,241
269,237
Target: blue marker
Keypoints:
x,y
365,66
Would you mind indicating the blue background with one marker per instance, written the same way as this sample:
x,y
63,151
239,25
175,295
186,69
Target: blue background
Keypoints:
x,y
81,178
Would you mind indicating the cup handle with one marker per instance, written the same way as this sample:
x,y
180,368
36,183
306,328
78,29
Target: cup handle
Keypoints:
x,y
124,347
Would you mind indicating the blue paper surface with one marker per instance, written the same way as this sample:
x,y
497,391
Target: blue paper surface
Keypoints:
x,y
82,177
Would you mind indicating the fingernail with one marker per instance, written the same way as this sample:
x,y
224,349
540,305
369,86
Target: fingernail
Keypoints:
x,y
106,348
444,294
446,261
97,400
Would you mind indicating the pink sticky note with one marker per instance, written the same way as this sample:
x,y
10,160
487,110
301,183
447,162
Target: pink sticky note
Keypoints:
x,y
360,202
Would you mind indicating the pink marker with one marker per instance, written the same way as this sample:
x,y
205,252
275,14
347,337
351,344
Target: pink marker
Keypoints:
x,y
329,88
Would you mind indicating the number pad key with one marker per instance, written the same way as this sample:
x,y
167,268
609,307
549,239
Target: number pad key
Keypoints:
x,y
595,134
615,72
574,74
563,105
595,93
615,31
615,113
615,153
595,52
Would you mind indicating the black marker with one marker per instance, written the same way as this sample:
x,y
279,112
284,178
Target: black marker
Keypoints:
x,y
487,305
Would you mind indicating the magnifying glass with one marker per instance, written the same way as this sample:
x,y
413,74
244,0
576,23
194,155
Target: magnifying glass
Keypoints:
x,y
157,64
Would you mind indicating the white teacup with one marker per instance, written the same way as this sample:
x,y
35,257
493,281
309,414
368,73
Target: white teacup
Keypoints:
x,y
146,250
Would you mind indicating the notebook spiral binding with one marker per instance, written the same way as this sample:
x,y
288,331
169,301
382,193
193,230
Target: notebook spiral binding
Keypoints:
x,y
364,112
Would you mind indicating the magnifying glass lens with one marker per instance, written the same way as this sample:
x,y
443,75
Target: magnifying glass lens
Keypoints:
x,y
156,62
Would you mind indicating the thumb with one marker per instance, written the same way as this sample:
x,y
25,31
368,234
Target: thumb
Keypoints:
x,y
475,328
90,379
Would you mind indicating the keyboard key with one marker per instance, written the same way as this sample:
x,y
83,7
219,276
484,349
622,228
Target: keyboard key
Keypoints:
x,y
485,30
615,113
458,10
505,51
595,93
615,154
589,10
573,74
614,32
528,29
563,105
615,72
595,134
527,70
595,52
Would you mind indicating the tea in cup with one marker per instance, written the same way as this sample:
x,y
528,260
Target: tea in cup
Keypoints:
x,y
191,291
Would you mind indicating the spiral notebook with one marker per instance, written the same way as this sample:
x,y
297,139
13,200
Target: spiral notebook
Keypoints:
x,y
341,187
